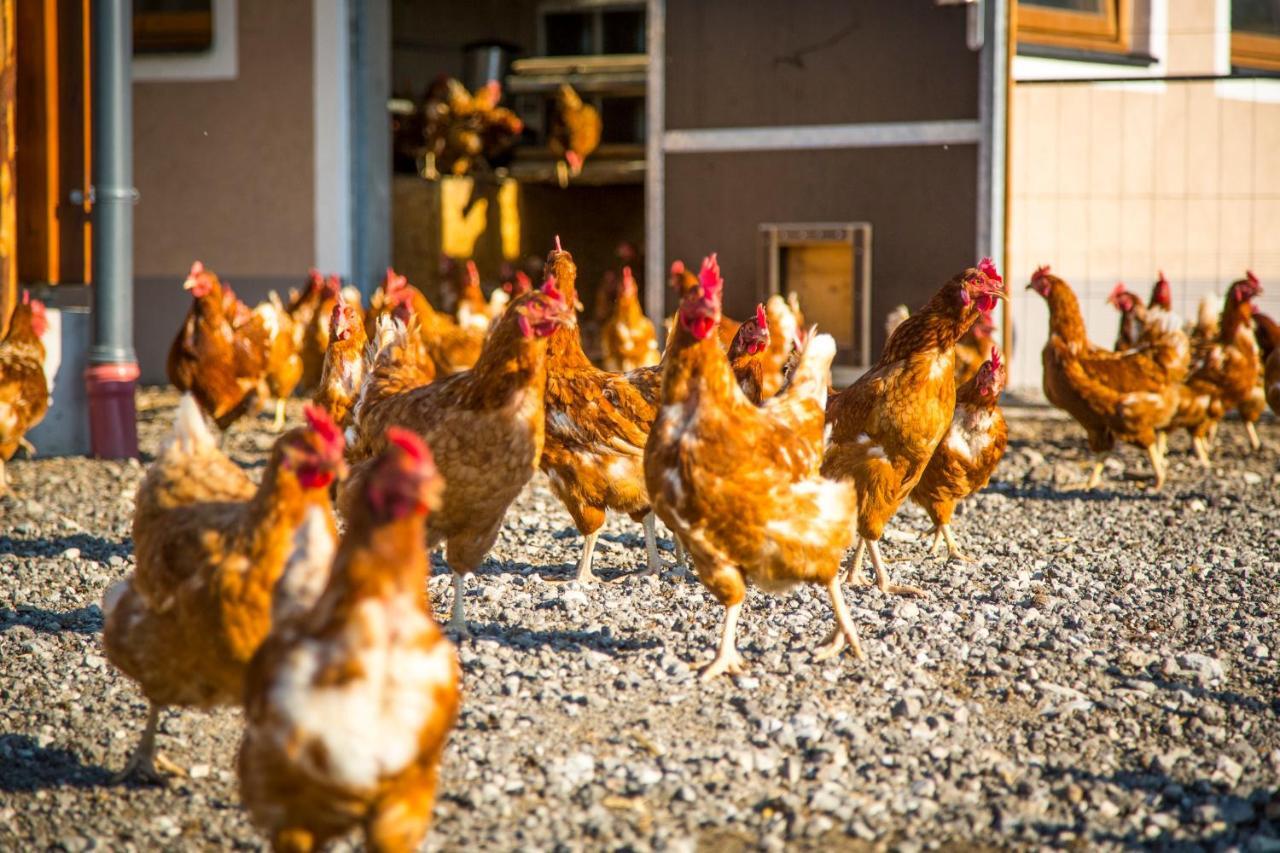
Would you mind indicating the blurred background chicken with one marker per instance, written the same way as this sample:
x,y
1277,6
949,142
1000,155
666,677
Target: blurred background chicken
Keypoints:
x,y
24,391
284,362
348,703
628,339
747,352
574,133
344,363
310,310
467,131
210,548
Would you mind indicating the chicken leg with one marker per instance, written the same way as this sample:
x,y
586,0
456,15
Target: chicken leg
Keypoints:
x,y
727,658
882,576
1254,441
31,448
142,763
855,571
1095,477
585,575
278,424
942,533
844,633
457,619
651,547
1202,451
1157,465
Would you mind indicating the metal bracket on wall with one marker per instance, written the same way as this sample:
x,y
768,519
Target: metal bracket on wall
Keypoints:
x,y
130,194
973,29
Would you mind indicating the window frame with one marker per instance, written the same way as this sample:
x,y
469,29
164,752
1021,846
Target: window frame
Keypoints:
x,y
1109,31
173,32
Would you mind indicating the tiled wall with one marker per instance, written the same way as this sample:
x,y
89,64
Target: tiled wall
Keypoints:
x,y
1114,181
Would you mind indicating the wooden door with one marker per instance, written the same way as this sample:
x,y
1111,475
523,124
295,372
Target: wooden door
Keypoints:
x,y
53,141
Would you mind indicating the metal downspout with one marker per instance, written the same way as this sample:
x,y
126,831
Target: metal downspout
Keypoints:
x,y
113,365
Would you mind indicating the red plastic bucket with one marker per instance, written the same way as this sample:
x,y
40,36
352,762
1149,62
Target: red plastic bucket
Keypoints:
x,y
113,414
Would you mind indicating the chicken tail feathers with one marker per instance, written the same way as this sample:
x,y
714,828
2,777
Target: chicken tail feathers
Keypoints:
x,y
812,373
190,431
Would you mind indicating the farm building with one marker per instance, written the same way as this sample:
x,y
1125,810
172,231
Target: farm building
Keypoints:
x,y
853,153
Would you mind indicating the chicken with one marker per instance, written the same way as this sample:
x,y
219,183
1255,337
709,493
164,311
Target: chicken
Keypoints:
x,y
222,364
886,426
574,133
1225,373
24,390
1125,396
519,285
343,371
452,347
683,281
628,338
210,548
399,362
740,484
310,311
597,424
894,319
968,454
485,425
1205,331
465,131
348,705
471,309
1133,317
284,363
1267,332
974,348
784,326
747,353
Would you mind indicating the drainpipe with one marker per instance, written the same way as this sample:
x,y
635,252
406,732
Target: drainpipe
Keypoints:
x,y
113,366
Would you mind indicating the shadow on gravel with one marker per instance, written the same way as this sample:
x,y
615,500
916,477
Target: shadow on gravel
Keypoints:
x,y
1227,817
1050,492
82,620
25,766
1225,697
601,641
98,548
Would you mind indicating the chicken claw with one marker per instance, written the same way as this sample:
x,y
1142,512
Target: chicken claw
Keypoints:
x,y
855,575
727,658
882,576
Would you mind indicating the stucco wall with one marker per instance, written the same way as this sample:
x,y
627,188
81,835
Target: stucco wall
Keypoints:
x,y
225,173
1116,181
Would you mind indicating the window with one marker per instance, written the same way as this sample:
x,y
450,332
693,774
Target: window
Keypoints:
x,y
593,29
1255,34
1091,25
172,26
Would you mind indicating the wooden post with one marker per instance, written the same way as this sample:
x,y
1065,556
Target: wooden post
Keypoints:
x,y
8,184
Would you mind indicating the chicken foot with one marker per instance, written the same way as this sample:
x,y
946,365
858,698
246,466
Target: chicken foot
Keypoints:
x,y
1157,465
31,448
142,763
727,658
844,633
942,533
1095,477
1201,448
585,575
457,619
882,576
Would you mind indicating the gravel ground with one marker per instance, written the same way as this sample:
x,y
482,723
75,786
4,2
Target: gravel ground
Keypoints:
x,y
1103,676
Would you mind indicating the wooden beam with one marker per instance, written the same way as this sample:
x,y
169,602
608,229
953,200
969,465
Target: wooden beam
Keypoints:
x,y
8,178
73,99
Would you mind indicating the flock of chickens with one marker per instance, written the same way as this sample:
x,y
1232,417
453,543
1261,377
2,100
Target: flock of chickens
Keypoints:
x,y
426,425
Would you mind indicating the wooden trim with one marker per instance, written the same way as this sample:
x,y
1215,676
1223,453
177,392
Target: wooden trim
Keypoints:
x,y
8,182
172,32
1255,50
1109,31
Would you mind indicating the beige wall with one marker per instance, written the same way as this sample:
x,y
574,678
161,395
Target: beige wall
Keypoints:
x,y
225,167
1112,182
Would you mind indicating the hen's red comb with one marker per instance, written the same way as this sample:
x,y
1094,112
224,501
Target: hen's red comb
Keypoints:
x,y
987,267
26,297
762,319
550,289
709,277
995,358
411,444
628,280
523,283
1253,279
1162,279
197,268
1040,272
1116,293
320,422
677,267
558,248
473,273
